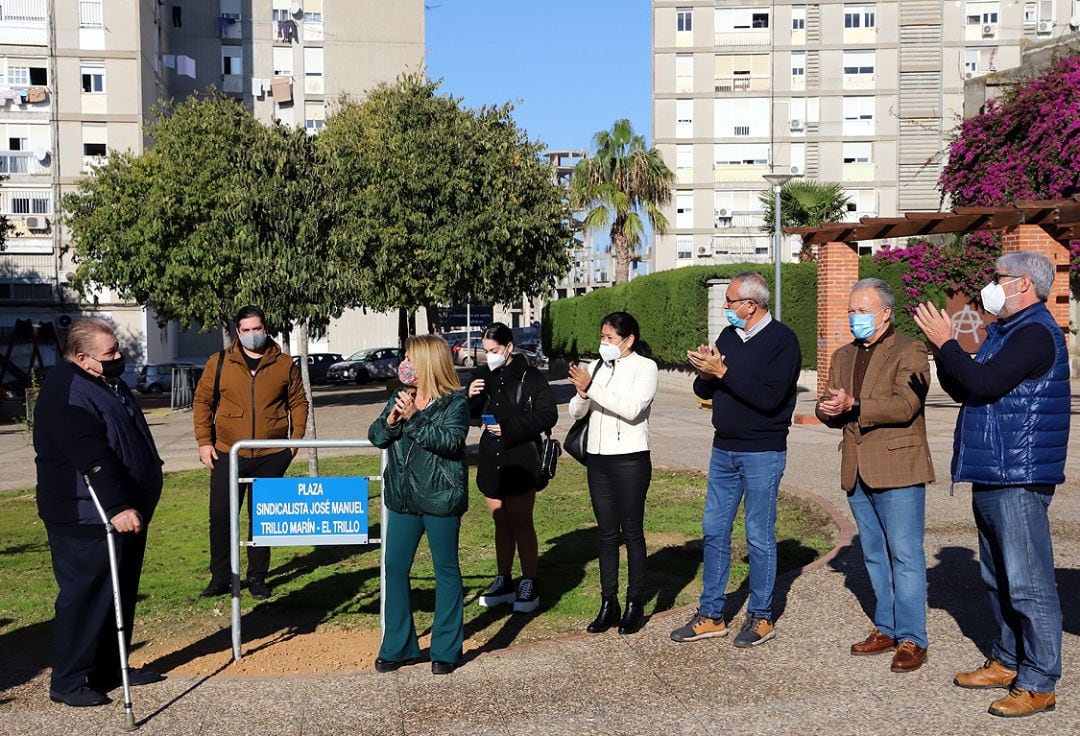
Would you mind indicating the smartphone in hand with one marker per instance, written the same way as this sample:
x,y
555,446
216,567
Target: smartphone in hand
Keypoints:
x,y
488,419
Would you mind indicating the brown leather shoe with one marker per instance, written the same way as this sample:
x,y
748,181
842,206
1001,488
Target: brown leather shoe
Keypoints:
x,y
991,674
1019,703
909,656
875,643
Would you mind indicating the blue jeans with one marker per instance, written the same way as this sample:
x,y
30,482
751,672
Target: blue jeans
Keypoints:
x,y
1017,560
733,476
891,523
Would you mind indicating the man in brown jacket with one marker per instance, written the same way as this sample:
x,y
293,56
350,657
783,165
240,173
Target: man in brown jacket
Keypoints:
x,y
252,390
877,394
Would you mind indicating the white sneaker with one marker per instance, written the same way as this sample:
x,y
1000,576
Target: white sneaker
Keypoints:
x,y
528,597
500,591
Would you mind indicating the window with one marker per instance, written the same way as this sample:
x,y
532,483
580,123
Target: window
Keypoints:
x,y
736,19
684,246
684,19
1031,13
17,144
979,60
798,17
798,64
313,62
25,290
741,154
177,19
858,63
30,203
1046,11
684,209
312,17
93,78
39,76
981,13
684,72
95,138
860,16
684,118
232,60
283,59
857,153
18,76
858,115
798,157
94,149
281,14
90,15
742,117
684,156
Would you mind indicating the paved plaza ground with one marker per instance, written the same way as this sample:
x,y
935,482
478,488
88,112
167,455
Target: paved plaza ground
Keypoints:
x,y
803,682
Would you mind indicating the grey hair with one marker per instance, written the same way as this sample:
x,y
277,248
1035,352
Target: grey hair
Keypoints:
x,y
883,289
752,286
82,334
1035,266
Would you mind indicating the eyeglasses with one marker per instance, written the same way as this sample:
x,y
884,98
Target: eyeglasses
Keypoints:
x,y
999,276
733,302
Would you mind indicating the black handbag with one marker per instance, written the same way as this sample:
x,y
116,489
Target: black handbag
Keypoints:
x,y
576,443
550,449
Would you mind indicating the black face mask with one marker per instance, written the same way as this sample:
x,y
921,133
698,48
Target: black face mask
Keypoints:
x,y
112,369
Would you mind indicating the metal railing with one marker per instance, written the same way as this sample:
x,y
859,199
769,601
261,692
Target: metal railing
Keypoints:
x,y
234,516
21,162
90,15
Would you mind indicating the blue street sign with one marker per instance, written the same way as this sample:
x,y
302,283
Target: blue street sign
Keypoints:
x,y
309,511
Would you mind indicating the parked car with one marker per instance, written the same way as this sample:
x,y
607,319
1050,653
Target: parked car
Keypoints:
x,y
473,354
156,378
319,364
365,365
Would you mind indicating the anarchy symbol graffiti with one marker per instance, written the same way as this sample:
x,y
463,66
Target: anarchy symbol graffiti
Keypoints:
x,y
967,322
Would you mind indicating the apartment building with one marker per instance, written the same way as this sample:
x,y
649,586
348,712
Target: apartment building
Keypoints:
x,y
78,78
864,94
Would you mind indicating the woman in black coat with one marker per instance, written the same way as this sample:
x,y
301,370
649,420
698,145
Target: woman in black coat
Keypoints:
x,y
518,406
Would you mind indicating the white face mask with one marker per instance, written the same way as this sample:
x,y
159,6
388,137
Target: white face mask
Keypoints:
x,y
495,361
609,352
993,298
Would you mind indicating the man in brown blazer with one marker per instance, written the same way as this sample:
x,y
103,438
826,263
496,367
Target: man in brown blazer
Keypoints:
x,y
877,394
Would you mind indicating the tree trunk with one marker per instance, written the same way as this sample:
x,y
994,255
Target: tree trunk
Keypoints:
x,y
403,327
620,256
286,342
305,376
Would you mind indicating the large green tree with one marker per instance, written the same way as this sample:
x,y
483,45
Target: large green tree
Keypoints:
x,y
443,204
619,183
804,203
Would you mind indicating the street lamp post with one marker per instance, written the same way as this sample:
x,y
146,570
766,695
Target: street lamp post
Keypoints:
x,y
778,181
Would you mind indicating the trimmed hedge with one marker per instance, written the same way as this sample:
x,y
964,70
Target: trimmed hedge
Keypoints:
x,y
673,310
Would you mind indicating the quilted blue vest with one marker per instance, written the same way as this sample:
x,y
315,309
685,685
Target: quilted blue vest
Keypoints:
x,y
1022,438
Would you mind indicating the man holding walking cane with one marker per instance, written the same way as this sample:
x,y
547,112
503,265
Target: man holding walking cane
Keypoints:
x,y
88,425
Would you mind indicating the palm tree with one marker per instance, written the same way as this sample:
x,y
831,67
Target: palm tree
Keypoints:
x,y
616,185
805,203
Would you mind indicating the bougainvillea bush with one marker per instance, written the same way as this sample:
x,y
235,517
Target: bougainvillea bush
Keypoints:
x,y
1025,146
960,264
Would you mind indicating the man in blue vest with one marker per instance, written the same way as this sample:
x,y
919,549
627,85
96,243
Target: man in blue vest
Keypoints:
x,y
1010,443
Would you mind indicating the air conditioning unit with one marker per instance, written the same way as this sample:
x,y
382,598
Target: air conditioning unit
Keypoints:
x,y
1045,27
723,213
969,75
1074,22
796,124
63,321
703,251
989,29
36,222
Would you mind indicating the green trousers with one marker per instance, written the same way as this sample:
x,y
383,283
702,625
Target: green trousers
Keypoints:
x,y
401,538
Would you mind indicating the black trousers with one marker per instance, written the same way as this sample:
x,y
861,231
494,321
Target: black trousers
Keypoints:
x,y
617,487
270,466
84,630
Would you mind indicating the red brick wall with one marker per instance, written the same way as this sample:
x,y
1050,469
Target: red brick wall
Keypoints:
x,y
1034,238
838,270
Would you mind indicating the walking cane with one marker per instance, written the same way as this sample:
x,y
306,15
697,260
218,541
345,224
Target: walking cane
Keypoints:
x,y
129,715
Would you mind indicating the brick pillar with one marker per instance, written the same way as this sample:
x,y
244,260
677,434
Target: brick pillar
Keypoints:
x,y
1034,238
838,270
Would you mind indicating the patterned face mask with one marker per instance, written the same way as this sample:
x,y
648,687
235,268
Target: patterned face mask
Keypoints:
x,y
406,373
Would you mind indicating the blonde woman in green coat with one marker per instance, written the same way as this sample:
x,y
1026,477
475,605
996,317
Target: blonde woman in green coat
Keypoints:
x,y
425,484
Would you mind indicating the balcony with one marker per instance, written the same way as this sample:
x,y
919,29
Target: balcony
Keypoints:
x,y
739,248
725,219
744,37
14,163
741,172
859,81
23,23
858,172
229,27
232,84
741,83
314,85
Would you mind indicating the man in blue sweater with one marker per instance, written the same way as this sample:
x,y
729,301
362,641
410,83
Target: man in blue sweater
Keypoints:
x,y
1010,443
750,375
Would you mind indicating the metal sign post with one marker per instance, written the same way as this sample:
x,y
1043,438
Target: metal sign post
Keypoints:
x,y
234,517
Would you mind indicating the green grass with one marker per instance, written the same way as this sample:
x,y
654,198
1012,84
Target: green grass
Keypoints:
x,y
339,585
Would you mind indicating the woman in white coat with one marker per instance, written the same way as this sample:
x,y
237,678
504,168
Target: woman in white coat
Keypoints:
x,y
616,392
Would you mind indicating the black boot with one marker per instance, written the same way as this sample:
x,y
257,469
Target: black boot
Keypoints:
x,y
633,618
608,616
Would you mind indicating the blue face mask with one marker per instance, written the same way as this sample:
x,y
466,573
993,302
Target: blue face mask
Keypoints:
x,y
862,325
734,319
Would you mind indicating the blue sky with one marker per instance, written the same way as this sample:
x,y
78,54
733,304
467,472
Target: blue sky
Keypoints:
x,y
571,67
